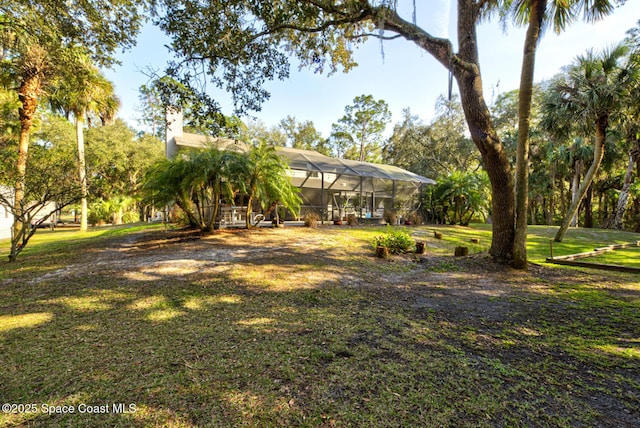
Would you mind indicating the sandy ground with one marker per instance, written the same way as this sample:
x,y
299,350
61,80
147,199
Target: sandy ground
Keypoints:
x,y
471,291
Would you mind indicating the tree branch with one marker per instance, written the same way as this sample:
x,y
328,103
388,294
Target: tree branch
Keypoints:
x,y
361,17
441,49
377,36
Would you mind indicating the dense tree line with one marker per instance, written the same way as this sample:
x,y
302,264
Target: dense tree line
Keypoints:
x,y
116,159
583,138
43,45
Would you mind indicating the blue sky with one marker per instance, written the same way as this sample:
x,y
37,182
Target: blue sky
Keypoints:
x,y
404,77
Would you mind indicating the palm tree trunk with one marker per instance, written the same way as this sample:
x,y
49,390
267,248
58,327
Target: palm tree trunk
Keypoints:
x,y
28,95
539,201
598,154
82,168
588,208
624,193
536,16
215,206
552,195
248,212
199,212
184,204
575,188
563,196
602,207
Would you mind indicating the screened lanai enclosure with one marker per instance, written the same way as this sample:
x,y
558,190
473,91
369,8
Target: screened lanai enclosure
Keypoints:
x,y
335,188
330,187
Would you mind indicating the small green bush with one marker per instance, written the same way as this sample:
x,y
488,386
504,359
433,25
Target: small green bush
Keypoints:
x,y
131,216
98,213
396,240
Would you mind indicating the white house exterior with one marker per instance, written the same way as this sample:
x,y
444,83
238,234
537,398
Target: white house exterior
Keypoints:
x,y
6,217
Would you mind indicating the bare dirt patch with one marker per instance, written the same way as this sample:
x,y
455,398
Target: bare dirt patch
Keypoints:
x,y
555,339
474,283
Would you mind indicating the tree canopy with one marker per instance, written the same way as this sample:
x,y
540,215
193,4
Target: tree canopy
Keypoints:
x,y
303,135
99,27
41,39
435,149
358,134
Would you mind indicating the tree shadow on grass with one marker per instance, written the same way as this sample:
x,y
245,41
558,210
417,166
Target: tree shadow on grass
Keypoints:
x,y
236,337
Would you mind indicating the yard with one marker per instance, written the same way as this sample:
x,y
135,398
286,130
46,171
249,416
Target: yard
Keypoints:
x,y
301,327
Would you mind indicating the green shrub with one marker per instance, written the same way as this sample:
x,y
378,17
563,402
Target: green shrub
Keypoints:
x,y
131,216
396,240
98,213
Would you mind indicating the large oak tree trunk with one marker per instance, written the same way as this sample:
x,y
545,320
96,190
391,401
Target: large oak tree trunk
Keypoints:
x,y
499,171
484,136
465,67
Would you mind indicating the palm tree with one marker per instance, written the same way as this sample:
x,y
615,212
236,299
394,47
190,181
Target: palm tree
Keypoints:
x,y
212,178
631,133
462,194
81,90
196,181
592,92
164,185
32,67
537,14
262,175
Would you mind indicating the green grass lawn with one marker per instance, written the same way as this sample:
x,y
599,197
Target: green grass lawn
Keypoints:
x,y
624,257
301,327
539,240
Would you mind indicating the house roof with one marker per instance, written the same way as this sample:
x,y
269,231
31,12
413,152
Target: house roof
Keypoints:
x,y
308,160
200,141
